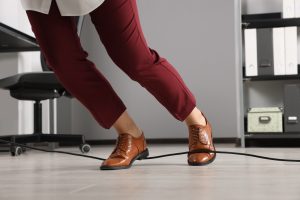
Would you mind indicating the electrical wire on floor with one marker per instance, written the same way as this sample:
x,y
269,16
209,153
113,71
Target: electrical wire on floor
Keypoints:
x,y
159,156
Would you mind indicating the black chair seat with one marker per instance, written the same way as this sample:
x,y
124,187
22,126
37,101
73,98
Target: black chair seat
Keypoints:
x,y
31,80
34,86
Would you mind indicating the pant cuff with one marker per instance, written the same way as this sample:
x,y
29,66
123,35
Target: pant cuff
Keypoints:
x,y
186,112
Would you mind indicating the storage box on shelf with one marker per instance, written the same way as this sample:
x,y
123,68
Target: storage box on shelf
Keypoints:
x,y
262,120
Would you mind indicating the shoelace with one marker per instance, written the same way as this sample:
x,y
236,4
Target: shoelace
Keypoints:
x,y
121,144
195,135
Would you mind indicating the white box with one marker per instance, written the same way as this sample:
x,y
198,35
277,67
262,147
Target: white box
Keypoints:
x,y
279,51
250,36
291,54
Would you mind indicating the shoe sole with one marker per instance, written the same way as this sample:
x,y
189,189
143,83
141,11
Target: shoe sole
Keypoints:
x,y
203,163
144,154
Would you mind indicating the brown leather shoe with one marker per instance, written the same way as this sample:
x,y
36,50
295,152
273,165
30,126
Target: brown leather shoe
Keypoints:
x,y
127,150
200,137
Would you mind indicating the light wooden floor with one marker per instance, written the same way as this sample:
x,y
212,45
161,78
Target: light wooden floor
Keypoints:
x,y
42,176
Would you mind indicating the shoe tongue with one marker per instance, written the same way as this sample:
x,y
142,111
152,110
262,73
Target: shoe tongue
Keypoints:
x,y
196,126
124,135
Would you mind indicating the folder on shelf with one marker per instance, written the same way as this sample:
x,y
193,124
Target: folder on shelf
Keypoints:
x,y
265,56
250,37
291,54
292,107
279,51
288,10
297,8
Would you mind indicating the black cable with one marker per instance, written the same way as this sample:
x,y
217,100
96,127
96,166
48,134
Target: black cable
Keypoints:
x,y
159,156
224,152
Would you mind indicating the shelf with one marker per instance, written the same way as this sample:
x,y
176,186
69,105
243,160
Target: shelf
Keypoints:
x,y
272,139
268,20
271,77
269,139
259,16
273,135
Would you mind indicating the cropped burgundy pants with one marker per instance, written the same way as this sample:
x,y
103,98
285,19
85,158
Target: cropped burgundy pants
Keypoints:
x,y
118,26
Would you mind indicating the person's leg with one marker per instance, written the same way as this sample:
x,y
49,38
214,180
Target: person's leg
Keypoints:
x,y
119,29
59,42
125,124
117,23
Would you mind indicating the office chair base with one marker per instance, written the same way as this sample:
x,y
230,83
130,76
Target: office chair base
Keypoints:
x,y
40,137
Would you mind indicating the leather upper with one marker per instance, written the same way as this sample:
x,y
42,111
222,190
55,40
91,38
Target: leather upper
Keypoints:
x,y
127,147
200,137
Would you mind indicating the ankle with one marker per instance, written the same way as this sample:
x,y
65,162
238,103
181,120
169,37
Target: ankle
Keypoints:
x,y
196,118
135,132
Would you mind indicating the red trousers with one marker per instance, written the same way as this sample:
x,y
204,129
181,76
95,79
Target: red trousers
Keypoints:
x,y
118,26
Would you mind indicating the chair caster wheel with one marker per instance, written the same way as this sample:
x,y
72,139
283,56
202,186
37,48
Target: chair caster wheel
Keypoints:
x,y
85,148
16,151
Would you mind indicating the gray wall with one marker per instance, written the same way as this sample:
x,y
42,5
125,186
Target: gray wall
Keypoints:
x,y
8,106
201,40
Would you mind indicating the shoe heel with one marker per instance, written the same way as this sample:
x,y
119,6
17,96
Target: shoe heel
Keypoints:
x,y
143,155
